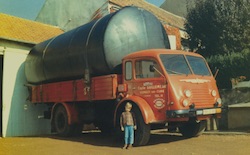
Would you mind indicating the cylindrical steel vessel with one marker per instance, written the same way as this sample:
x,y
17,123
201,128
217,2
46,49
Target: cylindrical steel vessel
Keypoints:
x,y
99,46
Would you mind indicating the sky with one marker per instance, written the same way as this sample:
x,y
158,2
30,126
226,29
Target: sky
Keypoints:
x,y
156,2
29,9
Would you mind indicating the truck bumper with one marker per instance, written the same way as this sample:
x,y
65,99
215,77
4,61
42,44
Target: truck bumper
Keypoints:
x,y
192,112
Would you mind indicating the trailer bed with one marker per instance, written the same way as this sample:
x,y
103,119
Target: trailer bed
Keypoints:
x,y
101,88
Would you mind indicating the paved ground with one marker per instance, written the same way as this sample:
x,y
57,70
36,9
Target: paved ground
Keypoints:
x,y
94,143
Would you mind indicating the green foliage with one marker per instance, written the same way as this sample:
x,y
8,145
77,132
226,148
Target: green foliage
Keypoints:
x,y
219,26
230,65
220,31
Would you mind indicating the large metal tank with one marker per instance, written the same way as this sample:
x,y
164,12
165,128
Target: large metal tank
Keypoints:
x,y
98,46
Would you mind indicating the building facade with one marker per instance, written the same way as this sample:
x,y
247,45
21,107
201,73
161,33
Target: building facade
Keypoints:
x,y
18,117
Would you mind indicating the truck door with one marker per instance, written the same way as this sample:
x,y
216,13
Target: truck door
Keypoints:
x,y
149,84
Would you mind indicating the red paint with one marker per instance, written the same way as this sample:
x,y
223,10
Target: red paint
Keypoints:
x,y
154,96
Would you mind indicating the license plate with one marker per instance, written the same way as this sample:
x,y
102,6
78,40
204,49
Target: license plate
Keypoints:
x,y
209,111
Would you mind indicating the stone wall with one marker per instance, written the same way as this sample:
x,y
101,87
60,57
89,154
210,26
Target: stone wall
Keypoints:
x,y
232,97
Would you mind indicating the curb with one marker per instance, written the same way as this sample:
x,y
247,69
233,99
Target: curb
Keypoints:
x,y
226,133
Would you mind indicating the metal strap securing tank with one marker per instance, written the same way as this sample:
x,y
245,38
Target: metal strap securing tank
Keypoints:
x,y
86,74
48,46
44,54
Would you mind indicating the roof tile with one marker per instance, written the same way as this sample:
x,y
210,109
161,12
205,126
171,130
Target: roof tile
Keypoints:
x,y
24,30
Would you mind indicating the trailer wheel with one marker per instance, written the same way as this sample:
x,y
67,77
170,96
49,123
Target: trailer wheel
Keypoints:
x,y
142,134
192,128
61,122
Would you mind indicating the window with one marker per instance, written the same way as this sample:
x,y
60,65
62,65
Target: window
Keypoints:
x,y
175,64
128,70
198,66
142,69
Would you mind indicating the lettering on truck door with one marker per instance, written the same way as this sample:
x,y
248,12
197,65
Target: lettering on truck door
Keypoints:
x,y
151,86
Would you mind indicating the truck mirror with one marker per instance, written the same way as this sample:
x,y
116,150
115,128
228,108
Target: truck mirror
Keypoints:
x,y
151,68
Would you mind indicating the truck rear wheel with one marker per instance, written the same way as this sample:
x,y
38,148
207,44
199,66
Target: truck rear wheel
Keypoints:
x,y
60,121
192,128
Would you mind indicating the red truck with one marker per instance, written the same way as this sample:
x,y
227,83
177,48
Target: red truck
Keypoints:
x,y
88,74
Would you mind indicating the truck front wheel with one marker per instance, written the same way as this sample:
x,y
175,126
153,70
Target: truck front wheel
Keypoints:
x,y
142,134
192,128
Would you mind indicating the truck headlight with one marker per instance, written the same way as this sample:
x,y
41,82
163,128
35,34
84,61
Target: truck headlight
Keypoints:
x,y
185,102
214,93
219,101
188,93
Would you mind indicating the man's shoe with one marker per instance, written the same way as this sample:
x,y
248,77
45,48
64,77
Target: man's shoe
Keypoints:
x,y
129,146
125,146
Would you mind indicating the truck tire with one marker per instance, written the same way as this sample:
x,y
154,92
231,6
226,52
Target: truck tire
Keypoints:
x,y
61,122
142,134
192,128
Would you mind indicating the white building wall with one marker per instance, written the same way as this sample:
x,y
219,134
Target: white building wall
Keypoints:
x,y
19,116
172,41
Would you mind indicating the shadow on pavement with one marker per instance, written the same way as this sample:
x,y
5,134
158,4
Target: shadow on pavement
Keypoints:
x,y
96,138
159,137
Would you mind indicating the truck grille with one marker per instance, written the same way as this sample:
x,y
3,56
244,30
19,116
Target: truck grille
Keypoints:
x,y
202,97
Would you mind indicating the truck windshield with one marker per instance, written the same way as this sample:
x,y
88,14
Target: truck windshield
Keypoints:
x,y
198,65
177,64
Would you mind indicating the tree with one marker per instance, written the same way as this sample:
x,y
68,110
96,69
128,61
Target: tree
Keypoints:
x,y
220,31
219,26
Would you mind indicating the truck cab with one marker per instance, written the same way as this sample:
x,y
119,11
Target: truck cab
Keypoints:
x,y
170,86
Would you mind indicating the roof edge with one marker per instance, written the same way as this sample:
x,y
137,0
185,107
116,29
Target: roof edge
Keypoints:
x,y
52,26
19,41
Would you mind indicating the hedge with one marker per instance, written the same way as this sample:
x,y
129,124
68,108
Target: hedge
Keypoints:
x,y
231,66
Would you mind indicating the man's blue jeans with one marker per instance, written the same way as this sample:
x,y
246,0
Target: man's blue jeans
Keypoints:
x,y
129,134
